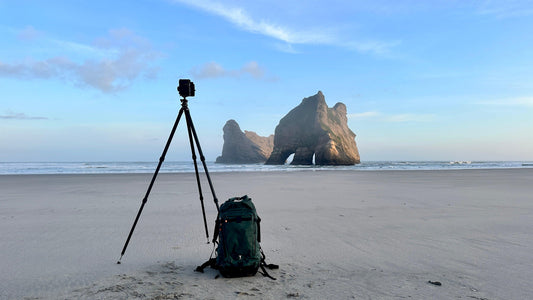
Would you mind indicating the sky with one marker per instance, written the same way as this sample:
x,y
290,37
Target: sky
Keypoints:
x,y
422,80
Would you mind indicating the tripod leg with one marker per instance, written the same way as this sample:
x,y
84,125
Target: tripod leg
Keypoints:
x,y
145,199
202,158
193,152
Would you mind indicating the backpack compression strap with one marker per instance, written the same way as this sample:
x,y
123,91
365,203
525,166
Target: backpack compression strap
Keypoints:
x,y
264,265
212,262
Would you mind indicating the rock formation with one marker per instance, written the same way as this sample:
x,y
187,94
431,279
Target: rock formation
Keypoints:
x,y
312,128
244,148
265,144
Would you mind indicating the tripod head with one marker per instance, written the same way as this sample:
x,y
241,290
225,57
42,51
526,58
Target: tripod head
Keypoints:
x,y
186,88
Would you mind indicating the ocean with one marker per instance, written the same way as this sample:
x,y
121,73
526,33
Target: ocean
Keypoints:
x,y
14,168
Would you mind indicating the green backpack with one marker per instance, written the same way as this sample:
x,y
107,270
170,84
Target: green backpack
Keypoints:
x,y
237,229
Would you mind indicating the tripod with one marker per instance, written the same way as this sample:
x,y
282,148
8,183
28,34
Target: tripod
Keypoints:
x,y
193,139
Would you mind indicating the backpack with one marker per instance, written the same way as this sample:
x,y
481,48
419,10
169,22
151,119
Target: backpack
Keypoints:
x,y
237,229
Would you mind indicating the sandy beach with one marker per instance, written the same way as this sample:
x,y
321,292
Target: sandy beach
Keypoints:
x,y
335,235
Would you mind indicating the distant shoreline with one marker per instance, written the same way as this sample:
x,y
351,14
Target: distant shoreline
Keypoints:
x,y
252,173
13,168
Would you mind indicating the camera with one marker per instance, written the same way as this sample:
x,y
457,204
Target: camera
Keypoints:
x,y
186,88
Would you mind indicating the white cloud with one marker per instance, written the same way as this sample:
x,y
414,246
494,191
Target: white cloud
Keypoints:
x,y
505,9
215,70
409,118
29,33
20,116
393,118
512,102
243,20
366,114
286,47
114,63
209,70
376,47
253,69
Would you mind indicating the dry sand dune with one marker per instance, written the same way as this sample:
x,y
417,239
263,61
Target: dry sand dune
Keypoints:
x,y
335,235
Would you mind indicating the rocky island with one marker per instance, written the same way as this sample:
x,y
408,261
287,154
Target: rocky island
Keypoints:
x,y
312,131
244,147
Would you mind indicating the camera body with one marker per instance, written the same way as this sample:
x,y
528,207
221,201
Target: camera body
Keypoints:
x,y
186,88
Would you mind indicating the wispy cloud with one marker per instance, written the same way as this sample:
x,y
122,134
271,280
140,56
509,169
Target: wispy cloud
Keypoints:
x,y
366,114
289,36
20,116
215,70
114,62
511,102
393,118
286,47
376,47
242,19
409,118
505,9
28,33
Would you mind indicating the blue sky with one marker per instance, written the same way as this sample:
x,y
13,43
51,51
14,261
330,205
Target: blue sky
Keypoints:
x,y
422,80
